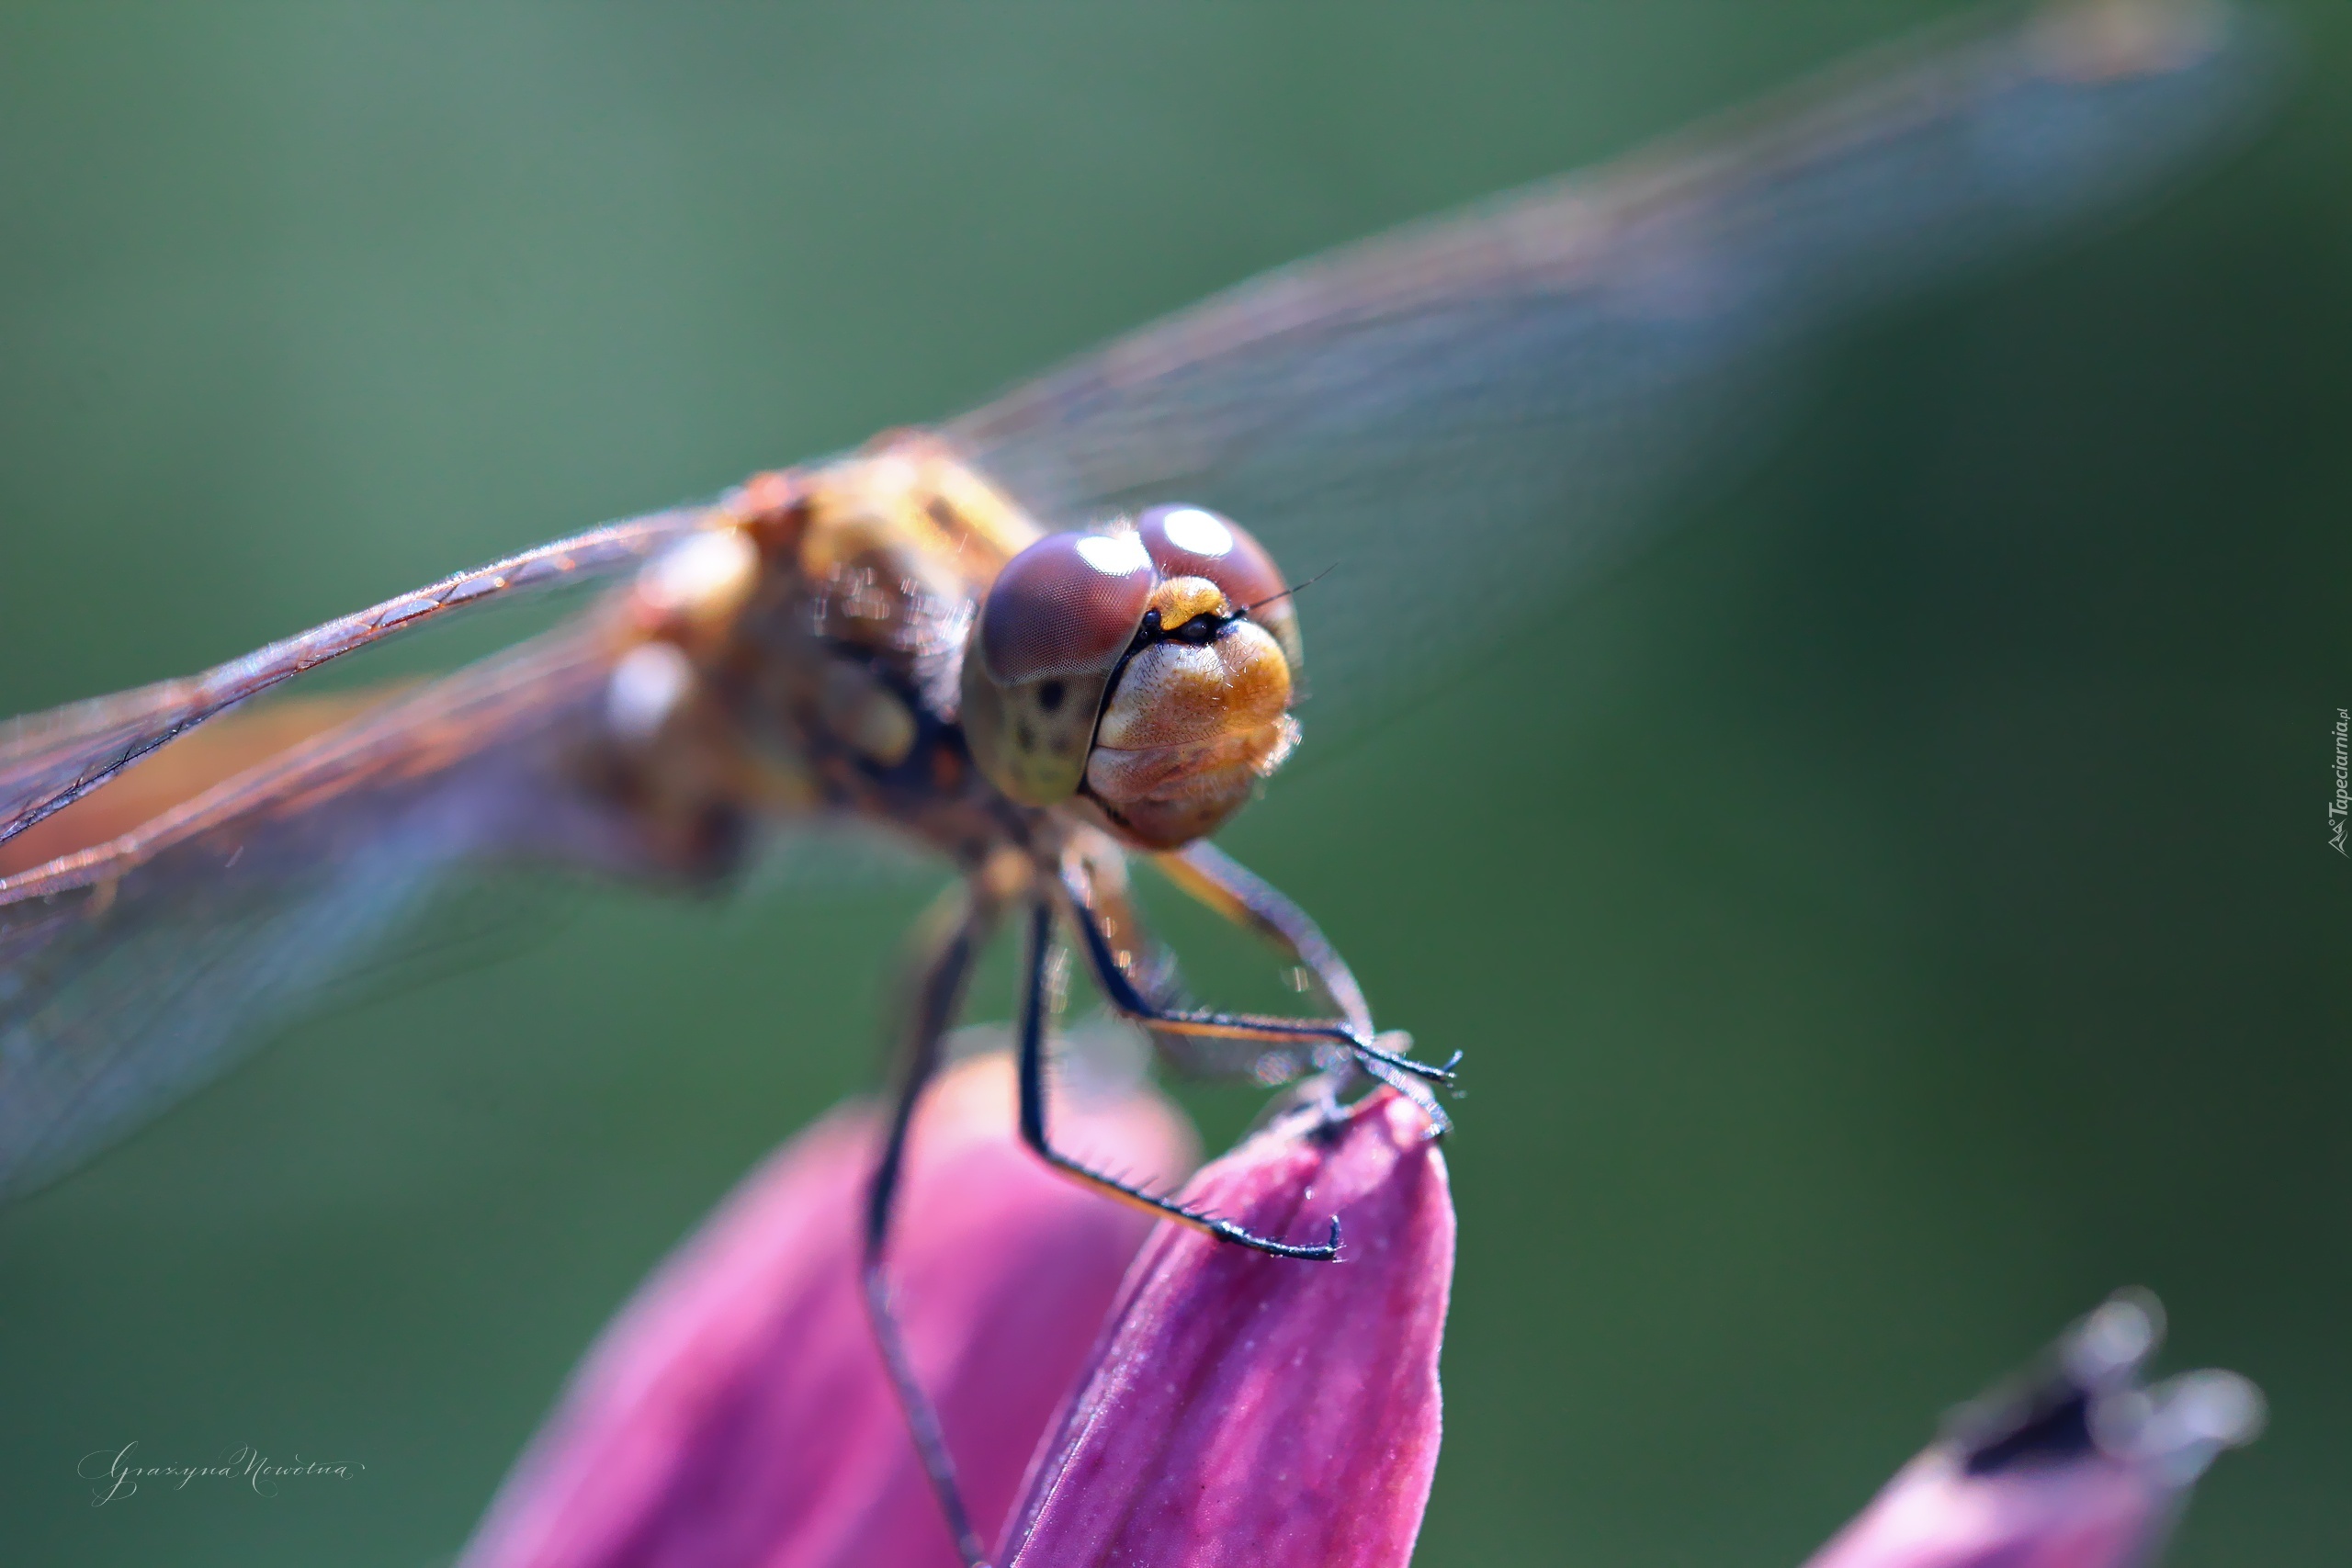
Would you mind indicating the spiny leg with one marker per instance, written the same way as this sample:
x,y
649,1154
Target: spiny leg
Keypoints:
x,y
1232,890
1034,1022
1319,1074
946,945
1124,998
1128,999
1152,969
1224,885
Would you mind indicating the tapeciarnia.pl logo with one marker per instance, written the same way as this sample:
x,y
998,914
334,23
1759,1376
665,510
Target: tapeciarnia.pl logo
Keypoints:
x,y
2341,807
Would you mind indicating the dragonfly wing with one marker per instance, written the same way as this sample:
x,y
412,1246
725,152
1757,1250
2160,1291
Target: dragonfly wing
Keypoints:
x,y
104,1023
172,775
134,972
48,761
1454,418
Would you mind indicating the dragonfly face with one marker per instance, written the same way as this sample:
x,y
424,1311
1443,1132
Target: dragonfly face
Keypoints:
x,y
1143,672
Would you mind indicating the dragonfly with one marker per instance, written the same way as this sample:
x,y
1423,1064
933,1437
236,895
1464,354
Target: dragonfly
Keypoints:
x,y
1048,640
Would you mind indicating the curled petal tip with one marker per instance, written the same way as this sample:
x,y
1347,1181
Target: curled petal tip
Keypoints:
x,y
1223,1370
2074,1463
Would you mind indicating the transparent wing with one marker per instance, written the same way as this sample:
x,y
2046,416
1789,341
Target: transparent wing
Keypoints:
x,y
48,761
134,971
1455,417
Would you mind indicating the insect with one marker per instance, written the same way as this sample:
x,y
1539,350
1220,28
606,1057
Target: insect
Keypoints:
x,y
1049,637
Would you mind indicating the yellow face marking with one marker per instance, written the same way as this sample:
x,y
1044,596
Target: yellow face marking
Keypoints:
x,y
1182,599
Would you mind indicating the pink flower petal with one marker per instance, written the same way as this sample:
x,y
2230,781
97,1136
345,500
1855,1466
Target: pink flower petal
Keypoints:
x,y
1263,1411
737,1412
1934,1515
2074,1466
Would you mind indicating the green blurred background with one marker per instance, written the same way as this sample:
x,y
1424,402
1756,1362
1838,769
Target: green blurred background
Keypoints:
x,y
1884,915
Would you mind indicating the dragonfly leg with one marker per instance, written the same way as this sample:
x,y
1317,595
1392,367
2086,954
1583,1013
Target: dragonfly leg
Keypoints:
x,y
945,946
1151,968
1332,1037
1235,893
1232,890
1033,1009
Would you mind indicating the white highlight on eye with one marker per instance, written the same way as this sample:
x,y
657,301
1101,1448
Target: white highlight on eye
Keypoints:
x,y
1114,555
645,688
1201,532
708,571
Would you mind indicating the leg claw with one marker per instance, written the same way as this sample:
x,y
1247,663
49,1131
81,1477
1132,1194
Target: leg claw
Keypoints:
x,y
1226,1229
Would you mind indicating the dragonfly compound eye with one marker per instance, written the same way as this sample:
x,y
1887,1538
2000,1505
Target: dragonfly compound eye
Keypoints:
x,y
1052,630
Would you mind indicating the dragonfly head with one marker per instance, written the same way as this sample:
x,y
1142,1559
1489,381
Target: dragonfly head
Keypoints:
x,y
1148,668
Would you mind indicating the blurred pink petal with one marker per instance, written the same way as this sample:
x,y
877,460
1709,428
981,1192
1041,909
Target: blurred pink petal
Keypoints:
x,y
2075,1465
736,1413
1258,1411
